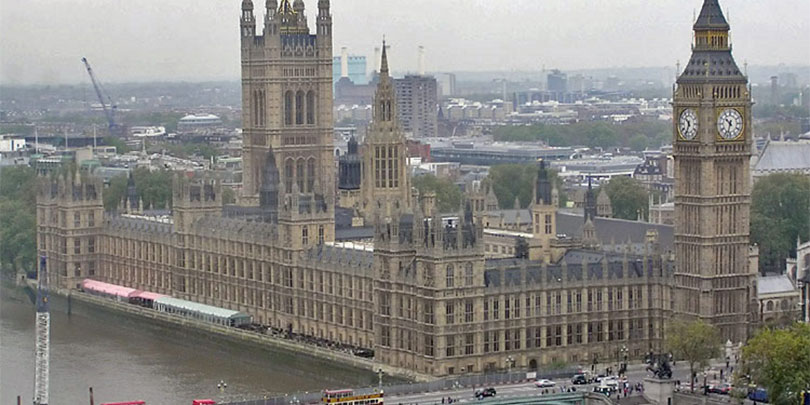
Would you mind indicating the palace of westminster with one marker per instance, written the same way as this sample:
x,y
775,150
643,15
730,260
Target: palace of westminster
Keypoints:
x,y
427,291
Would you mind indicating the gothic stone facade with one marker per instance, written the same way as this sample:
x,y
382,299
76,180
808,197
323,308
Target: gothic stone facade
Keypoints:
x,y
424,298
423,295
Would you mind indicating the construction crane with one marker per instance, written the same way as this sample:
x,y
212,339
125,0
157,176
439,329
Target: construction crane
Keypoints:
x,y
43,330
108,107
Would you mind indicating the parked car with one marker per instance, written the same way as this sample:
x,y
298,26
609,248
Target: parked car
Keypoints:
x,y
543,383
484,393
758,395
581,378
723,389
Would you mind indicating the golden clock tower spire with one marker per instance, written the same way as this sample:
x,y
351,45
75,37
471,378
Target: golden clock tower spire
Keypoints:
x,y
715,278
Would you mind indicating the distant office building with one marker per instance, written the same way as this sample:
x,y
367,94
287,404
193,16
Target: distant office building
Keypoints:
x,y
557,82
447,84
417,105
356,65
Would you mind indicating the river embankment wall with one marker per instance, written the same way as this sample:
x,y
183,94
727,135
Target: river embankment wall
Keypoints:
x,y
230,334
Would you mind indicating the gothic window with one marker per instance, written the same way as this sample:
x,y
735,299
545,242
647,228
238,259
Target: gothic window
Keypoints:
x,y
299,107
468,274
450,315
393,178
548,224
311,107
300,175
288,174
450,276
320,234
77,219
304,236
310,174
288,108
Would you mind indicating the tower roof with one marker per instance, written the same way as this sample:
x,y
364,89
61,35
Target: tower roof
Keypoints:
x,y
384,61
711,59
711,17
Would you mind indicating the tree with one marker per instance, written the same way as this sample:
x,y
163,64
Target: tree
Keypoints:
x,y
779,361
120,146
448,195
154,188
780,206
695,342
228,195
17,218
628,197
115,192
517,180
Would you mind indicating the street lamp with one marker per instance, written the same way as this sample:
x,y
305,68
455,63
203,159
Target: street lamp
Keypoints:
x,y
509,363
379,377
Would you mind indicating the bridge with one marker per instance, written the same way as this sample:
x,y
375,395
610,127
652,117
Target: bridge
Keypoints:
x,y
567,398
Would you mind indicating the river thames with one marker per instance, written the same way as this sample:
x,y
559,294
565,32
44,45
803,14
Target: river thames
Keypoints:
x,y
125,359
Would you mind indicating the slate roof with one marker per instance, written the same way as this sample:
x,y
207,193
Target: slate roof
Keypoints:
x,y
611,231
578,264
711,17
774,285
784,156
343,257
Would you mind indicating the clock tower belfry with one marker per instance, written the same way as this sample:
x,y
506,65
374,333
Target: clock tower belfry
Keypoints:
x,y
715,280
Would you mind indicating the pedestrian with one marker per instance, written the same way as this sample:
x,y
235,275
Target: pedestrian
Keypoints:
x,y
721,374
442,400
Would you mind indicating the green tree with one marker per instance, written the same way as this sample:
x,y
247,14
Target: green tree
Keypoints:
x,y
18,187
517,180
448,195
695,342
636,134
115,192
779,361
120,146
154,188
628,197
228,195
780,206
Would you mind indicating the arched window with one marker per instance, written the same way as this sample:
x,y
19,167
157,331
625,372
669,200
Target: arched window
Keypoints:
x,y
300,175
784,305
311,107
450,275
299,107
288,174
288,108
310,174
770,306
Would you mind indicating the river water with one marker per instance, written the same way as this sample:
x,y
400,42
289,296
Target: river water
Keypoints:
x,y
125,359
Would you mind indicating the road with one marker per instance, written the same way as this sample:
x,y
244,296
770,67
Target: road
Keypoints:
x,y
635,374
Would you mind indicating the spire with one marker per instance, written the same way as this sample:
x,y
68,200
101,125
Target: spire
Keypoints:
x,y
385,97
542,186
384,61
711,17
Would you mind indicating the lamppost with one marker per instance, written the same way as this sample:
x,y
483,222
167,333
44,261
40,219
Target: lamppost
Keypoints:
x,y
623,368
379,378
222,386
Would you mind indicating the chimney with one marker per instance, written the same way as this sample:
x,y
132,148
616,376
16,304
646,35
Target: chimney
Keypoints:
x,y
344,62
420,62
377,59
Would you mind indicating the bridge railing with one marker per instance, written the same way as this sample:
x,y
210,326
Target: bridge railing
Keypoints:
x,y
470,381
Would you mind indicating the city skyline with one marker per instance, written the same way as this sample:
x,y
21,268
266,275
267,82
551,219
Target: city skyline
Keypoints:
x,y
164,43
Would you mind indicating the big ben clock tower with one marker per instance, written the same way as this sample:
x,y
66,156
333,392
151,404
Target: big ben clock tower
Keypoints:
x,y
715,281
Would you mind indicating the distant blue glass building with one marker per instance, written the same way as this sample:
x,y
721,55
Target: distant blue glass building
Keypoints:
x,y
357,69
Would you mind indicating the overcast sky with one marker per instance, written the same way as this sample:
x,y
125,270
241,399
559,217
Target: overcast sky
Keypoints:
x,y
42,41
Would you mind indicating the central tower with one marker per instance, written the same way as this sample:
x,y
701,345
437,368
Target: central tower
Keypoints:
x,y
287,99
287,119
712,148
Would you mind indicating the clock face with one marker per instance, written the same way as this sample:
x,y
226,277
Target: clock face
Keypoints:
x,y
730,124
688,124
